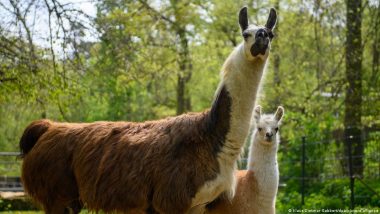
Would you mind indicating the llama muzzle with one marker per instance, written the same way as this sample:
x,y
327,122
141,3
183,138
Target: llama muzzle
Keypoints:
x,y
261,43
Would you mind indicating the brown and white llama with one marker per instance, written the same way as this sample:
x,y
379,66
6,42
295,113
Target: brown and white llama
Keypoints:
x,y
163,166
257,186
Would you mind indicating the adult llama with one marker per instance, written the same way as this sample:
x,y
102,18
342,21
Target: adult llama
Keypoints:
x,y
163,166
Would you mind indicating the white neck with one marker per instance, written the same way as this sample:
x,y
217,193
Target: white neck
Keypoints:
x,y
263,162
242,79
261,155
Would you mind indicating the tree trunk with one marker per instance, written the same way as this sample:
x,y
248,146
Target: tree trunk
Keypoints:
x,y
353,100
375,53
184,74
276,59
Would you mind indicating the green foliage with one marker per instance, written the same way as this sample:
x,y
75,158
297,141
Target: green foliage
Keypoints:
x,y
287,200
316,201
333,194
16,204
131,71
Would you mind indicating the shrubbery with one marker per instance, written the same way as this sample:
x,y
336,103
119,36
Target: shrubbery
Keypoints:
x,y
16,204
333,194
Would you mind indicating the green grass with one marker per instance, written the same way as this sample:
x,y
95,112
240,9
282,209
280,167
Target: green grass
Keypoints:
x,y
22,212
33,212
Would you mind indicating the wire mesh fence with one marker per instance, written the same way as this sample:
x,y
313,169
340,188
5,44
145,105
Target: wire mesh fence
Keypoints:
x,y
335,169
332,170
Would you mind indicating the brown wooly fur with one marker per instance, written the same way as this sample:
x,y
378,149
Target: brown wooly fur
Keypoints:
x,y
155,166
246,192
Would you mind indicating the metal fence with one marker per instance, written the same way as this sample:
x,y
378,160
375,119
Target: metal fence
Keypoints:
x,y
10,172
306,163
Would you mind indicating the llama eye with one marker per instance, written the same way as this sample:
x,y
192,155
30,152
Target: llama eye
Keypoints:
x,y
246,35
260,129
276,129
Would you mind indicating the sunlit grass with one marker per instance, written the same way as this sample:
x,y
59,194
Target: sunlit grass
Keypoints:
x,y
22,212
32,212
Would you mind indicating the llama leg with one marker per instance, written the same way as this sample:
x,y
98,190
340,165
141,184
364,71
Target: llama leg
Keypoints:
x,y
75,207
151,210
55,208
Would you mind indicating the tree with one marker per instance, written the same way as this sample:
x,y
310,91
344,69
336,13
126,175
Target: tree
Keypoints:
x,y
276,57
26,54
353,100
165,30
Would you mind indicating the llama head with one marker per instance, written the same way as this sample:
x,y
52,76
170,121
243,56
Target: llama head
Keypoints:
x,y
257,38
267,126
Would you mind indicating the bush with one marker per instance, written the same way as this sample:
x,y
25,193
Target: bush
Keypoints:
x,y
16,204
333,194
319,201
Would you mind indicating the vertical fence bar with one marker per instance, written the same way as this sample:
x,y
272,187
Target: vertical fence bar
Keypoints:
x,y
303,171
351,172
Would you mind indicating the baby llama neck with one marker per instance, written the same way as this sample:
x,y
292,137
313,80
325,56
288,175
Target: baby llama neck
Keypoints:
x,y
260,155
262,162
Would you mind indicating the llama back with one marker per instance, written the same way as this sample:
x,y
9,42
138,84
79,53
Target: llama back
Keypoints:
x,y
136,169
118,165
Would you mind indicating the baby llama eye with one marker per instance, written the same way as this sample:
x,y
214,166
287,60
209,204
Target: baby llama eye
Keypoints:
x,y
260,129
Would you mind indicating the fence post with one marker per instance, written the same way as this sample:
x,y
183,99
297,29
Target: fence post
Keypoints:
x,y
303,171
350,171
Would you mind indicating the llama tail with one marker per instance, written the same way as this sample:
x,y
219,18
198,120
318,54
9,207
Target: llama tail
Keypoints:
x,y
31,135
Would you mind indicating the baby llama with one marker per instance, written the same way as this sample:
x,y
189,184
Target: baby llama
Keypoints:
x,y
257,187
164,166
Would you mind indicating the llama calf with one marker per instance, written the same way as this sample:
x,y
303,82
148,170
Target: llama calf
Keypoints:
x,y
257,187
164,166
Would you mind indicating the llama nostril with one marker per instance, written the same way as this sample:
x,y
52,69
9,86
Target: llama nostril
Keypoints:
x,y
260,34
268,134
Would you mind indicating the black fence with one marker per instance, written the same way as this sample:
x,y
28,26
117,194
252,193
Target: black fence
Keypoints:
x,y
10,172
344,169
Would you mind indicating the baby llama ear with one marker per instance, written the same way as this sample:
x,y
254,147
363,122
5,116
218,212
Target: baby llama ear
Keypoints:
x,y
243,19
257,113
279,113
272,19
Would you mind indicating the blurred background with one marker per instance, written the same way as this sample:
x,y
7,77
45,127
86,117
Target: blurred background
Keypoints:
x,y
89,60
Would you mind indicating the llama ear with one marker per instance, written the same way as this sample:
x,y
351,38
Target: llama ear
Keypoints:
x,y
257,113
279,113
243,19
272,19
